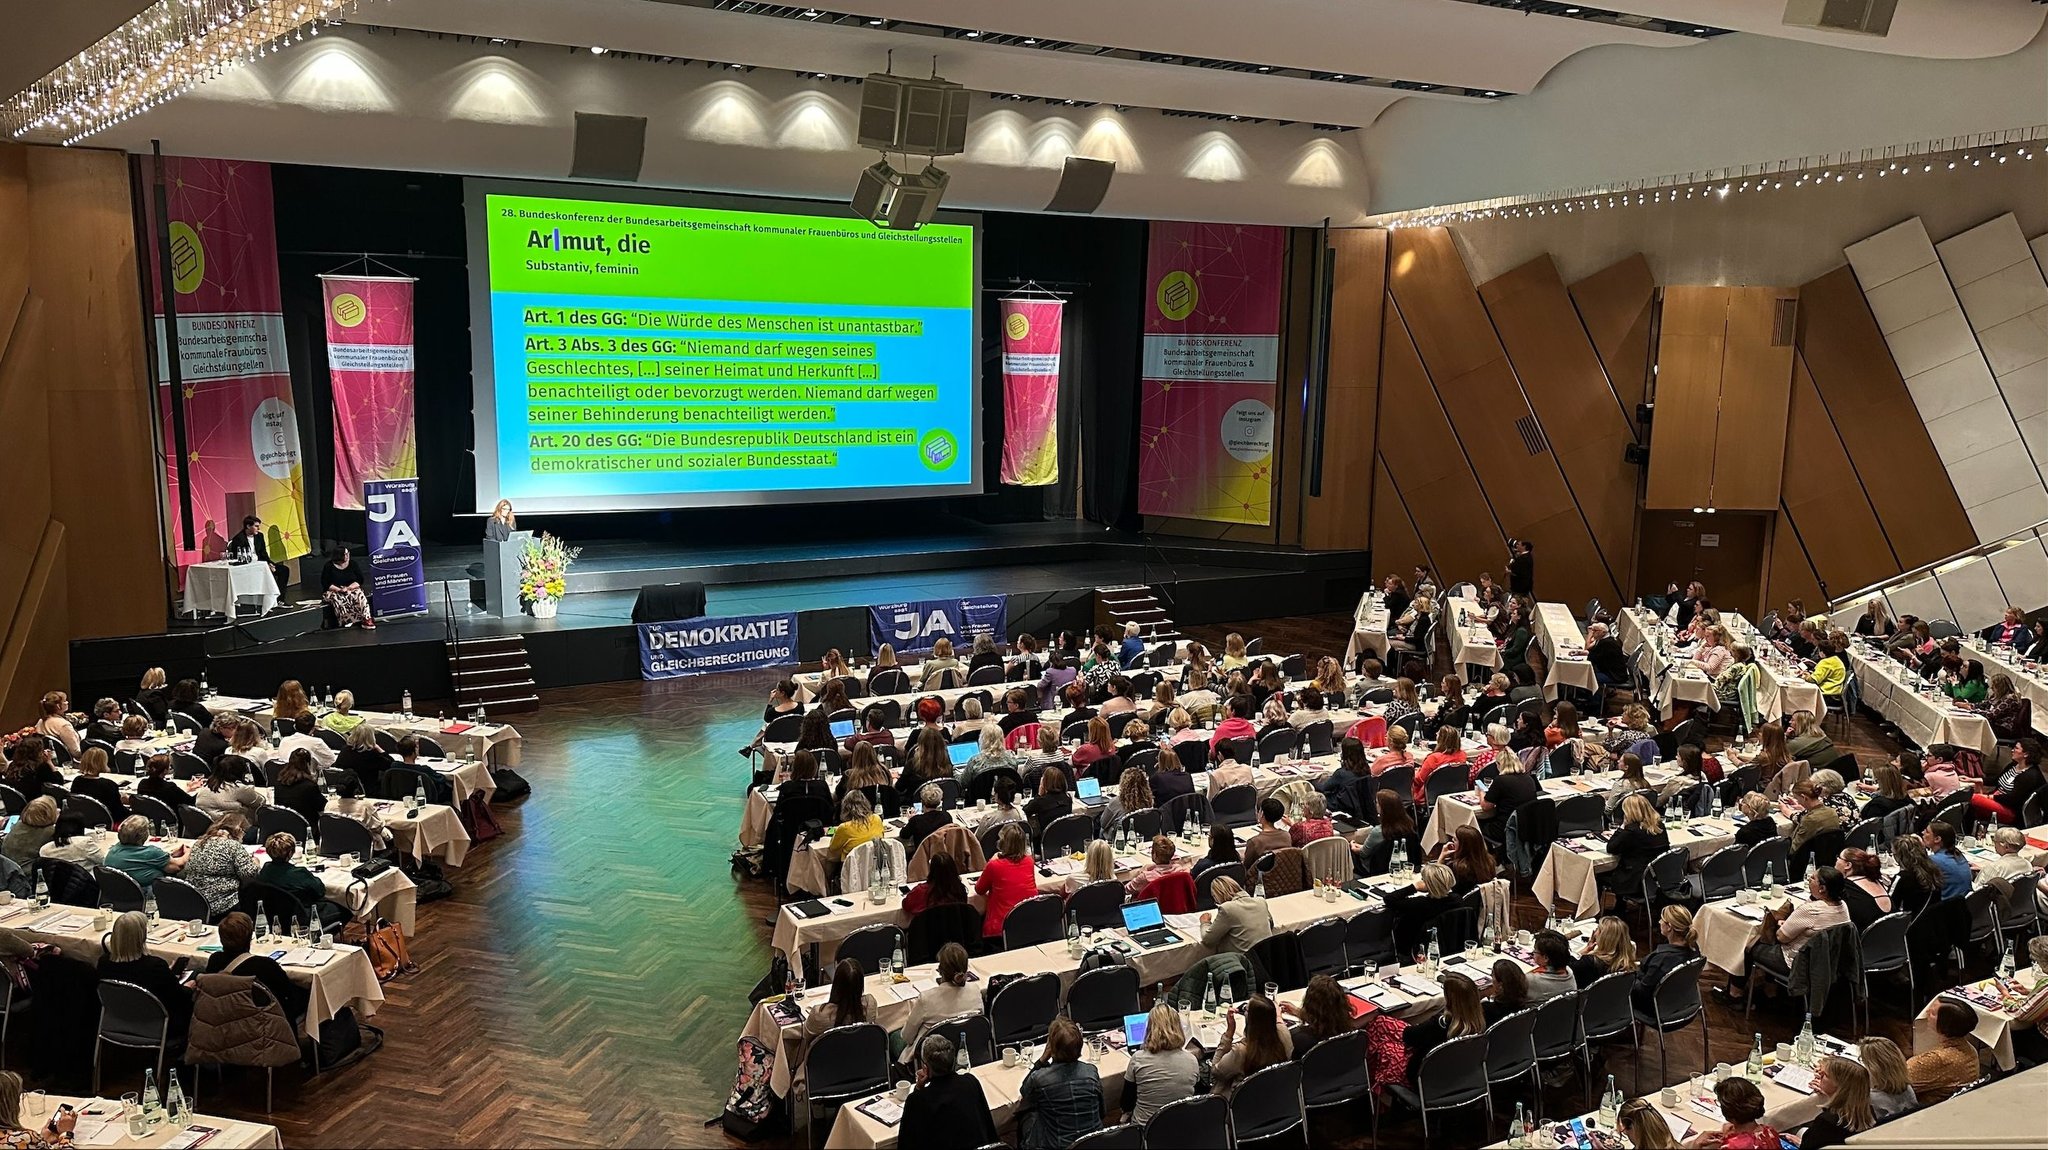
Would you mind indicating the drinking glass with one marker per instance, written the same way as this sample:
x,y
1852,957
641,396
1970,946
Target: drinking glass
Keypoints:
x,y
1273,992
138,1119
1371,970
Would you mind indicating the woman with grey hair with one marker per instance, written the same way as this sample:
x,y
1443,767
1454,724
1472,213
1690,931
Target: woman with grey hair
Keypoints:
x,y
219,864
125,957
1831,786
140,859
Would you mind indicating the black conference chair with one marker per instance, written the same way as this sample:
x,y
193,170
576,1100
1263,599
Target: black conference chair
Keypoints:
x,y
180,901
134,1018
1098,905
1198,1123
1023,1010
1677,1005
1034,921
118,891
1452,1077
844,1063
1268,1104
870,946
1334,1073
1067,834
1123,1136
1511,1054
1100,999
341,835
1236,806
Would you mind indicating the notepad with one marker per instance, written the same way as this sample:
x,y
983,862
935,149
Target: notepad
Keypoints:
x,y
1797,1078
307,957
191,1136
882,1108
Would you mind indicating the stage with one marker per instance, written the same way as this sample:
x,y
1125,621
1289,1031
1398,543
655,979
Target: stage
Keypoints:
x,y
1050,571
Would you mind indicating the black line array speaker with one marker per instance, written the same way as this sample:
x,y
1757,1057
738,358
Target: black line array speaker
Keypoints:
x,y
662,602
609,147
1083,183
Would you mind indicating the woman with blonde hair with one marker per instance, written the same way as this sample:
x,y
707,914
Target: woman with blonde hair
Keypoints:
x,y
1673,949
1846,1085
1631,728
153,696
1645,1128
1640,839
1162,1070
1890,1093
1164,702
1098,865
1181,727
31,832
1330,681
1234,652
1133,793
1613,949
1396,753
342,719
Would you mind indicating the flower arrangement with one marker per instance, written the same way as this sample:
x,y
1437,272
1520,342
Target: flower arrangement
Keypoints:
x,y
544,571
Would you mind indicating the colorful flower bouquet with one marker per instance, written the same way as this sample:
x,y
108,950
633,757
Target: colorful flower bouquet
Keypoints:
x,y
544,573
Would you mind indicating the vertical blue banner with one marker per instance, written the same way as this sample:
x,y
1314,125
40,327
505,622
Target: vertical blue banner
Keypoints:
x,y
398,574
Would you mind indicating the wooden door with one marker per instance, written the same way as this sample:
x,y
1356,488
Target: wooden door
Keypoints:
x,y
1725,551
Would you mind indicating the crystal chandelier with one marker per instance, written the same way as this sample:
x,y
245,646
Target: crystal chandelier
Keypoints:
x,y
162,52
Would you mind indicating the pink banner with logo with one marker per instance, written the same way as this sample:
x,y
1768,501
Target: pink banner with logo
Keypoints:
x,y
1212,366
370,365
242,434
1031,391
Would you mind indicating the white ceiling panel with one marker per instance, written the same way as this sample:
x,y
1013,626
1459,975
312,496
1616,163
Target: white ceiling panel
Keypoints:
x,y
1934,29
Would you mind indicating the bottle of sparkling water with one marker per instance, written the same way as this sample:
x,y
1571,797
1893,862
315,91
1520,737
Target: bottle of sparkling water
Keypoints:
x,y
1074,936
1802,1047
1549,917
1674,812
152,1102
961,1059
1255,758
1770,878
1756,1058
327,696
205,688
875,891
1610,1104
896,959
1715,792
149,905
1209,1000
405,702
181,1115
2009,963
1518,1130
1435,951
262,924
1397,859
1486,937
1259,891
419,795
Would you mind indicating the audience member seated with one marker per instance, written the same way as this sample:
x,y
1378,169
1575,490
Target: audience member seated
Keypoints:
x,y
1271,835
1372,849
934,816
1940,840
303,738
1512,790
1240,921
1612,951
1887,789
218,864
1162,1070
212,742
1810,816
1552,975
1053,802
1163,863
236,933
2020,782
1007,879
247,741
1509,992
1644,1126
1952,1062
1265,1043
55,721
1809,742
1313,824
1787,928
848,1004
1415,906
31,832
1238,725
72,843
1450,752
1742,1111
92,781
1340,787
1463,1014
227,788
1865,871
1396,753
858,824
286,875
125,957
296,789
1640,838
945,1106
1761,826
343,718
349,803
1060,1098
1674,948
951,994
108,723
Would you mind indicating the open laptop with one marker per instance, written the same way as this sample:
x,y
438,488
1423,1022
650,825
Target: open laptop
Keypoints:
x,y
1089,791
1134,1030
842,729
1147,927
961,752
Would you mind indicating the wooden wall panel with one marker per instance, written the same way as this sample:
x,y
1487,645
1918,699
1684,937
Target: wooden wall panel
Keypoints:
x,y
1341,517
1790,575
85,276
1690,341
1566,386
36,656
1396,548
25,463
1488,413
1425,465
1879,425
1617,304
14,228
1756,382
1824,501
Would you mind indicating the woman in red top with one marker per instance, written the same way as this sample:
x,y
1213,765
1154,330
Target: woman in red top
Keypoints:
x,y
1099,745
941,885
1450,750
1008,879
1238,725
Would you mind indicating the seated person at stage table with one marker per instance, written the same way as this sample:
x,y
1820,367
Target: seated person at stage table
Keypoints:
x,y
249,546
341,583
349,803
502,523
2012,631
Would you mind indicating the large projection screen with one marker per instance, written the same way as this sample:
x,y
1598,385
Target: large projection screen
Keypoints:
x,y
636,349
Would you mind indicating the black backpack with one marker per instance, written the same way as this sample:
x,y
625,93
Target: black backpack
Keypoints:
x,y
511,785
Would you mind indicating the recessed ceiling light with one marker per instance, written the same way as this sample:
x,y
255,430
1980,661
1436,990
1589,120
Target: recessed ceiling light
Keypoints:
x,y
1571,11
1266,68
497,39
1338,76
596,50
1700,31
875,20
810,13
1030,40
974,35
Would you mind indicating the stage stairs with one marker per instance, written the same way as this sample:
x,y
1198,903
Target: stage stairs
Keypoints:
x,y
494,672
1135,603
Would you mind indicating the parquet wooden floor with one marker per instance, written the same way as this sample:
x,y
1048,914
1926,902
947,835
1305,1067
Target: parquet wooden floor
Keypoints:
x,y
585,984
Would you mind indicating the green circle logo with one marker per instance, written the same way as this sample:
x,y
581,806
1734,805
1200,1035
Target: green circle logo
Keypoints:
x,y
938,450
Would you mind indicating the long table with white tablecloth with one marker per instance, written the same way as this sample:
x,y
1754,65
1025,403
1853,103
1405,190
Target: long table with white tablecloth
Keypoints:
x,y
495,744
1565,644
1924,716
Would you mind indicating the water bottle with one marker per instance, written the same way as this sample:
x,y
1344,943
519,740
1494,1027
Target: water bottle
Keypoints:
x,y
205,688
479,714
149,905
1255,758
961,1060
1486,935
1715,800
35,888
896,962
1674,812
1073,936
2008,964
1549,917
262,924
1259,891
1610,1104
875,892
1435,951
1802,1047
419,795
405,703
1397,861
327,696
1209,1000
1770,880
152,1102
1518,1130
181,1116
1756,1059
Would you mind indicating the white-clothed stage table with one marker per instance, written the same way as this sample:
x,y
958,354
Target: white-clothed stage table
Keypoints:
x,y
1368,631
1472,642
101,1125
215,588
2029,683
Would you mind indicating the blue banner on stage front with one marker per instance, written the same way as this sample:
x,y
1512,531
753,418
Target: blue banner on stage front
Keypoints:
x,y
705,645
916,625
398,574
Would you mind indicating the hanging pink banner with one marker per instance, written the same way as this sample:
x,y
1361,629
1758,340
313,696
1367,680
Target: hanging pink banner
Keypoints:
x,y
370,364
242,434
1212,368
1031,391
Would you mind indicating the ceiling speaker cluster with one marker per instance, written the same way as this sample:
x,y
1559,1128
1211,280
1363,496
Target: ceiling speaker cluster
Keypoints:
x,y
908,116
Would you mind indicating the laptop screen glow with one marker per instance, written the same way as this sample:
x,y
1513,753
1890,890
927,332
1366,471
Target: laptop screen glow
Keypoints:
x,y
1142,915
842,729
1089,788
961,752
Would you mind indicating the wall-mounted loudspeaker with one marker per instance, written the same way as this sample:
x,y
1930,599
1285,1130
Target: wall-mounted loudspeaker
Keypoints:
x,y
609,147
1082,185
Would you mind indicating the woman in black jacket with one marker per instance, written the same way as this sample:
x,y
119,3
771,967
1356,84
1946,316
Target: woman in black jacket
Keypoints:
x,y
297,789
185,701
1641,838
1415,907
236,931
1762,825
158,784
92,781
126,957
1052,803
154,696
365,758
1674,924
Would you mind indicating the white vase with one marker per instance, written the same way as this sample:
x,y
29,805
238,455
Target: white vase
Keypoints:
x,y
544,608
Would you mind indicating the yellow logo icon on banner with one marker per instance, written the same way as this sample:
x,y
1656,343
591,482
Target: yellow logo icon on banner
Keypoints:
x,y
1017,327
349,309
1177,295
188,258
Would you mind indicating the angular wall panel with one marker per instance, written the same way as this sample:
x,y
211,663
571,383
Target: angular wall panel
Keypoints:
x,y
1791,574
1616,304
1427,469
1971,588
1568,389
1756,383
1691,338
1396,548
1340,518
1824,501
2022,571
